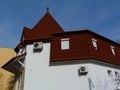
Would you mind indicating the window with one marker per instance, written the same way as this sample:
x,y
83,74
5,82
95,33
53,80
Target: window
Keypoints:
x,y
94,42
116,74
112,50
109,72
65,43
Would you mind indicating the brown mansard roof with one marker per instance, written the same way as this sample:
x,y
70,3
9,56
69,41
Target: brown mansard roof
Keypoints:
x,y
81,48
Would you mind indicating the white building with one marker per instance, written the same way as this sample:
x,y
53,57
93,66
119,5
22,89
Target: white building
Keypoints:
x,y
57,60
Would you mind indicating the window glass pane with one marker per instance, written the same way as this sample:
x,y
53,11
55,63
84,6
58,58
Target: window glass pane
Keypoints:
x,y
94,42
65,43
113,50
109,72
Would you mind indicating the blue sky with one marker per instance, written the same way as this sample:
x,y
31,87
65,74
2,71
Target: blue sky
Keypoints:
x,y
100,16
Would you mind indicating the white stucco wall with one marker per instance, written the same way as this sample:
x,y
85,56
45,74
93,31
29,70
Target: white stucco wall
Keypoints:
x,y
39,75
100,78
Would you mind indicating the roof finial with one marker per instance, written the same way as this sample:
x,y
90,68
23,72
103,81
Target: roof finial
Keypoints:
x,y
47,9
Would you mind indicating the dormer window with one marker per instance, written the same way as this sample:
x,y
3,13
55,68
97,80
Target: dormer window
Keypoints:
x,y
65,43
94,42
112,50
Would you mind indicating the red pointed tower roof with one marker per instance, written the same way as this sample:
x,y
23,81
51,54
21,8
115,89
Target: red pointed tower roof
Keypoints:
x,y
43,29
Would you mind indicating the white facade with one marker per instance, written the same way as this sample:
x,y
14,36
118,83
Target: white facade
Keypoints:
x,y
100,78
40,74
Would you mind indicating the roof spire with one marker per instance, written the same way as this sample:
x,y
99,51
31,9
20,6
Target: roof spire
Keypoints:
x,y
47,8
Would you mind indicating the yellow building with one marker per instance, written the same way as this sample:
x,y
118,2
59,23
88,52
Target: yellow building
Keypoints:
x,y
6,54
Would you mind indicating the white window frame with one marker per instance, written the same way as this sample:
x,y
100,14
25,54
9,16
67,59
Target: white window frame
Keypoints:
x,y
65,43
112,50
94,42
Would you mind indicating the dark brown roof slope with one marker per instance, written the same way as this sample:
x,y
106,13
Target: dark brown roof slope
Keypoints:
x,y
86,31
26,33
43,29
48,23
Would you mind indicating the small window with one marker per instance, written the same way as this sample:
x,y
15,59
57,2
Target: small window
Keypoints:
x,y
94,42
65,43
116,74
109,72
112,50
